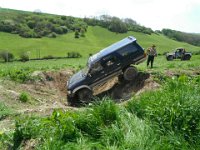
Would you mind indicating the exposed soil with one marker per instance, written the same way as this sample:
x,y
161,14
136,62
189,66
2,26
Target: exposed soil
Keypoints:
x,y
121,91
49,92
190,72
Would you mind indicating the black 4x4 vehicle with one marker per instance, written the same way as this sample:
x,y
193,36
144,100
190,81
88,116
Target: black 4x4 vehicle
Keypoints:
x,y
115,60
179,53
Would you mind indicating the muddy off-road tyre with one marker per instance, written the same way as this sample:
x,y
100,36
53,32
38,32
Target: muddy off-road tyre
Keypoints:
x,y
130,73
72,101
121,78
186,57
84,95
170,58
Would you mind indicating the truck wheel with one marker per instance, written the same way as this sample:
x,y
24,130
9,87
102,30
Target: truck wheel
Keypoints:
x,y
130,73
186,57
72,101
170,58
121,78
84,95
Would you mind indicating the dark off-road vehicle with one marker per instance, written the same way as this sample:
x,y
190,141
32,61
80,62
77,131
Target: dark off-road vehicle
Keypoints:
x,y
115,60
179,53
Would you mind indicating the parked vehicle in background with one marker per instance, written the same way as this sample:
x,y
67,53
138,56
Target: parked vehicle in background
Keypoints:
x,y
179,53
115,60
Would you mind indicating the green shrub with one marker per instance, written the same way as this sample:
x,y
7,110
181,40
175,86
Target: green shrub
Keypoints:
x,y
24,57
27,128
4,111
19,74
103,113
73,55
24,97
52,35
76,34
6,56
48,57
106,111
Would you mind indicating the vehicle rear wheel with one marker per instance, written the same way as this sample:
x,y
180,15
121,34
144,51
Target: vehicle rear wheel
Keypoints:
x,y
130,73
186,57
121,78
170,58
84,95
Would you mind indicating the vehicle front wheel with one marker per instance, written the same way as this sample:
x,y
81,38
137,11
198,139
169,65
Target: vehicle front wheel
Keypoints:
x,y
130,73
170,58
84,95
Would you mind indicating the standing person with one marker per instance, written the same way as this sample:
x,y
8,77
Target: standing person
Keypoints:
x,y
151,52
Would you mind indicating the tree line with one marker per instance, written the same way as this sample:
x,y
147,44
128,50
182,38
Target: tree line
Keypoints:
x,y
190,38
117,25
37,24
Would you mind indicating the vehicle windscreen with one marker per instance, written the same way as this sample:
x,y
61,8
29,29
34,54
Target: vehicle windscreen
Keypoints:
x,y
85,70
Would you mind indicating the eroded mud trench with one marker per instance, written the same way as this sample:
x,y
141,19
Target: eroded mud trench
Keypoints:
x,y
53,85
49,91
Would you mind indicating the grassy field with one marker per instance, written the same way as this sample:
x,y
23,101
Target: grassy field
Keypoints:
x,y
161,65
96,39
167,118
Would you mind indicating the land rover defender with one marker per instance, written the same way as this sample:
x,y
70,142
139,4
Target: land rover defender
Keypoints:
x,y
179,53
116,60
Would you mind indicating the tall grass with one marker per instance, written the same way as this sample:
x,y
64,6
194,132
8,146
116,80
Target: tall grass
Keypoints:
x,y
174,108
165,119
104,125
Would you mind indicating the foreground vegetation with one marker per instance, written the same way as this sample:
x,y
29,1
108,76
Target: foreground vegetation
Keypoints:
x,y
163,119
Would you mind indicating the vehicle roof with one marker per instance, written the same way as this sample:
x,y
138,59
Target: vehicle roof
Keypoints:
x,y
112,48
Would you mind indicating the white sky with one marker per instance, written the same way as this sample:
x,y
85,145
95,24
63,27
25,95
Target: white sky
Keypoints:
x,y
181,15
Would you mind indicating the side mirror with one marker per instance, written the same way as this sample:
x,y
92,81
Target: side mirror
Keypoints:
x,y
89,74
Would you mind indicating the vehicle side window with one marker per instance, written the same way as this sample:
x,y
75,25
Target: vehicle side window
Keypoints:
x,y
96,67
127,50
109,60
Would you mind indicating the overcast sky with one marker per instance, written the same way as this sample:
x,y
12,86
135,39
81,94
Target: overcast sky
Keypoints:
x,y
181,15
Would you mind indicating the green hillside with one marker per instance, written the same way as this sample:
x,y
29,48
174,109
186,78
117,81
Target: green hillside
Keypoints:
x,y
157,110
96,39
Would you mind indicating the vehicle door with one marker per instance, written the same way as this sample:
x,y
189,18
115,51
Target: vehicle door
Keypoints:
x,y
111,65
96,73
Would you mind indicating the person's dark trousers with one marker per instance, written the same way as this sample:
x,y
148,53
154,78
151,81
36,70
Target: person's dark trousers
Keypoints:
x,y
150,59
